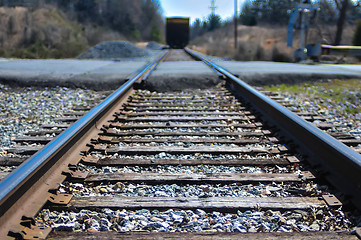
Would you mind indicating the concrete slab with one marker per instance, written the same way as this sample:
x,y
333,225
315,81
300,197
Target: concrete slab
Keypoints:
x,y
259,73
182,75
101,74
110,76
93,74
354,68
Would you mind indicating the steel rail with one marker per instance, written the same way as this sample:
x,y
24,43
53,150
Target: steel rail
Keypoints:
x,y
13,187
339,164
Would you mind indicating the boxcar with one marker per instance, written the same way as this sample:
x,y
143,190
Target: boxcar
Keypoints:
x,y
177,30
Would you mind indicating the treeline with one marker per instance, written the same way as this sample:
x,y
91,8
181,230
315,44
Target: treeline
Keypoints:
x,y
200,27
134,19
256,12
276,12
331,12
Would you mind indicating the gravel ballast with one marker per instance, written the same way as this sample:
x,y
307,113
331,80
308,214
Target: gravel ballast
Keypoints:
x,y
339,106
198,220
16,105
26,109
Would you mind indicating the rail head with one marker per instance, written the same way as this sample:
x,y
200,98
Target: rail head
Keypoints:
x,y
340,164
13,187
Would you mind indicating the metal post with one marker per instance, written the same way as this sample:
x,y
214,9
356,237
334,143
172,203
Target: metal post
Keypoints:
x,y
235,25
213,7
303,30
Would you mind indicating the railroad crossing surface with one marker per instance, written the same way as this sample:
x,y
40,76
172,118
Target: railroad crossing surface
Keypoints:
x,y
87,73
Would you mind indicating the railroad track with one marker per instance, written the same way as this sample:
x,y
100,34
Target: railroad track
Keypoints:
x,y
317,120
195,164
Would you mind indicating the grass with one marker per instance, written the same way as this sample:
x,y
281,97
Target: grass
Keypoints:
x,y
39,50
347,92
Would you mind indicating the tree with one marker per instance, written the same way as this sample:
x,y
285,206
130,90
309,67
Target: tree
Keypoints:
x,y
214,22
248,15
266,11
136,19
154,21
156,34
65,4
328,12
86,9
196,29
343,6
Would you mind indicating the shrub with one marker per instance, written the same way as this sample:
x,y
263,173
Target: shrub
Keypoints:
x,y
277,56
156,34
244,52
135,34
260,53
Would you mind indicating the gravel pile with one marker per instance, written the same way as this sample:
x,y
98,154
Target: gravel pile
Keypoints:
x,y
154,46
26,109
115,50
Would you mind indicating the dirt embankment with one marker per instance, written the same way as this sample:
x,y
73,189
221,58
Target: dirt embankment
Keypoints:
x,y
16,27
22,26
38,33
46,33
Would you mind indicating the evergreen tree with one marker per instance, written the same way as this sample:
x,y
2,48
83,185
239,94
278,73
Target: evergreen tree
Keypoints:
x,y
86,9
248,15
214,22
196,29
268,11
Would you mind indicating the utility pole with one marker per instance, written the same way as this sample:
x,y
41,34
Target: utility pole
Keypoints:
x,y
235,25
213,7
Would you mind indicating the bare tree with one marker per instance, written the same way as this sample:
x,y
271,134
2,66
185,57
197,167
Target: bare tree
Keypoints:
x,y
343,6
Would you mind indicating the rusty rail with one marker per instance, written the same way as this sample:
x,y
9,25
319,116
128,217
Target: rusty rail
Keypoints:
x,y
29,184
340,165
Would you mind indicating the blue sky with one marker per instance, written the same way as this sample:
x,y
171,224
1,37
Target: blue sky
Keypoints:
x,y
198,8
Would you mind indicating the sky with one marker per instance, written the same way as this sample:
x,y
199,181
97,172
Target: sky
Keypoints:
x,y
198,8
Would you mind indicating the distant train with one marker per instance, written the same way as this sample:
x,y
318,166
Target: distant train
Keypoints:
x,y
177,32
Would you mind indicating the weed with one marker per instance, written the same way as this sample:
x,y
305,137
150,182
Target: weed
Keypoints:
x,y
343,92
352,110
